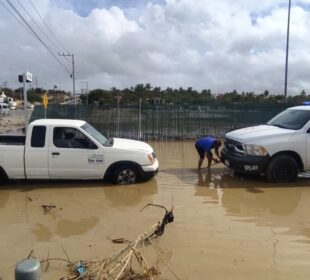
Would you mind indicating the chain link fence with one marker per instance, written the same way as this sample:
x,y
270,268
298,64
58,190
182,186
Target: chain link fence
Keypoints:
x,y
162,122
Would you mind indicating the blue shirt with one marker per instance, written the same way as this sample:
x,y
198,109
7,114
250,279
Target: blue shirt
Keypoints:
x,y
206,143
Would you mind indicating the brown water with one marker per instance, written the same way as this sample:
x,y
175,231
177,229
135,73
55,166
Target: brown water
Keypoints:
x,y
225,227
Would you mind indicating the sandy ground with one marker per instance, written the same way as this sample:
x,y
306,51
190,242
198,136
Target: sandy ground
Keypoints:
x,y
14,122
225,227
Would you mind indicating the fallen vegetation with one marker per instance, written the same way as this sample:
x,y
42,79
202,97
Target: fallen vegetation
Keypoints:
x,y
129,263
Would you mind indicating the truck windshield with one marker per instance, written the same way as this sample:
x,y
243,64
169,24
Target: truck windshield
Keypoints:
x,y
95,133
291,119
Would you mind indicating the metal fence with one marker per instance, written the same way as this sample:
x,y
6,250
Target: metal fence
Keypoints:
x,y
162,122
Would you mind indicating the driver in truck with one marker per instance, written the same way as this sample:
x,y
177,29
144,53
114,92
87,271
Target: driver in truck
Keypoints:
x,y
204,146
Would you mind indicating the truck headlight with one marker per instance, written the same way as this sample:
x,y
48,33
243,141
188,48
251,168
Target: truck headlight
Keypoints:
x,y
255,150
151,158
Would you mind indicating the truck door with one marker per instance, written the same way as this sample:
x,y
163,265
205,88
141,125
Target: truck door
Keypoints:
x,y
307,158
36,154
72,155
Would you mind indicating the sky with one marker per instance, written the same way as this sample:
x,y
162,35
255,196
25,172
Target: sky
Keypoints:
x,y
221,45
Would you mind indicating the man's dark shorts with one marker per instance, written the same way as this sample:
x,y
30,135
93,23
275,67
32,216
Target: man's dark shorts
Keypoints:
x,y
201,152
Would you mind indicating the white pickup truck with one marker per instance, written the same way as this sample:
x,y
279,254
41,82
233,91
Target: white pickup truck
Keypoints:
x,y
279,149
73,149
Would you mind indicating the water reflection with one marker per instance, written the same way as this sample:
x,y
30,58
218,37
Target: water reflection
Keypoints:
x,y
284,206
208,178
246,198
28,185
66,228
42,232
127,195
178,154
4,196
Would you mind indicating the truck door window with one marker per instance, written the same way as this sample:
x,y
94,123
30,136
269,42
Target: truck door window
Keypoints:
x,y
67,137
38,136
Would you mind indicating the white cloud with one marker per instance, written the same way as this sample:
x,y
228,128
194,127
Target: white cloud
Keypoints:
x,y
221,45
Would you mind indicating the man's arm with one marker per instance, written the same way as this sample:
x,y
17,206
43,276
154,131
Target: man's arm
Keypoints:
x,y
210,157
217,153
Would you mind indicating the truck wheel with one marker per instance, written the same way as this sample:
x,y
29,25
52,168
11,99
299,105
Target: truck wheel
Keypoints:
x,y
282,169
3,177
125,174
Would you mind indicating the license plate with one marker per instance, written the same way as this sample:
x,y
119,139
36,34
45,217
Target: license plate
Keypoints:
x,y
226,162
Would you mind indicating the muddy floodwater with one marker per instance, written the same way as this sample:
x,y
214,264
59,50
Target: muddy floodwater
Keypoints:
x,y
225,227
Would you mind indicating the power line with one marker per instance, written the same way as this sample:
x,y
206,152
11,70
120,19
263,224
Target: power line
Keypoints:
x,y
37,25
27,29
52,33
15,16
37,36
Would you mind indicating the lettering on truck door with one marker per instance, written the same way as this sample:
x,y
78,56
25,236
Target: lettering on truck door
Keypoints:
x,y
73,155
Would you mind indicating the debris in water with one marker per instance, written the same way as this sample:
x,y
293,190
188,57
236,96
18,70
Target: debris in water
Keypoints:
x,y
80,269
120,240
130,263
47,208
168,218
29,255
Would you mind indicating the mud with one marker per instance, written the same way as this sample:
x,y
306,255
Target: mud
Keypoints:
x,y
225,227
13,123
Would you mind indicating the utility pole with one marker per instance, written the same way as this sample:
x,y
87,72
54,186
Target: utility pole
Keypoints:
x,y
86,83
72,75
140,119
118,97
287,50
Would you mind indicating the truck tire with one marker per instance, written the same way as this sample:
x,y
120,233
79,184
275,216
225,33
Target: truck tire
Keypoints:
x,y
3,176
2,179
282,169
125,174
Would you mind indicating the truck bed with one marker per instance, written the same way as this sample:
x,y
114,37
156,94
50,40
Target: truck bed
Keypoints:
x,y
18,140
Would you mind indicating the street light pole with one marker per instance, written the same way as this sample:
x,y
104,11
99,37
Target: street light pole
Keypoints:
x,y
287,50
